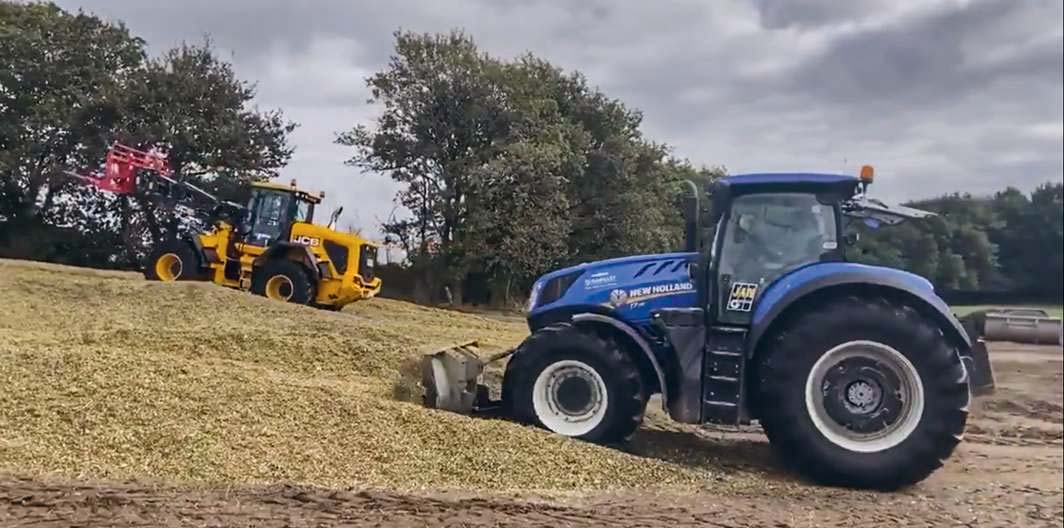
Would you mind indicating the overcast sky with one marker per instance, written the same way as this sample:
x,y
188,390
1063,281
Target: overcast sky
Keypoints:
x,y
939,95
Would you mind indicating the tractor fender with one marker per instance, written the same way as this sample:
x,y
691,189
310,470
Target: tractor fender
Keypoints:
x,y
640,342
841,277
304,256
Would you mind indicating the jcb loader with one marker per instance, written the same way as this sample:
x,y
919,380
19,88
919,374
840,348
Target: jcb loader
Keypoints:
x,y
271,246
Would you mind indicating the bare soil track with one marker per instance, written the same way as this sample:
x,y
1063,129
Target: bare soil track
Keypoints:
x,y
1008,472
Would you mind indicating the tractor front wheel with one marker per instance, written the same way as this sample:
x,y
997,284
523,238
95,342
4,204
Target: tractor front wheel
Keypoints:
x,y
863,392
575,383
283,280
173,260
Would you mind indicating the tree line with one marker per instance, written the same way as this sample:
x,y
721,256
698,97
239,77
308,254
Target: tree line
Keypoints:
x,y
511,168
1010,242
508,167
71,84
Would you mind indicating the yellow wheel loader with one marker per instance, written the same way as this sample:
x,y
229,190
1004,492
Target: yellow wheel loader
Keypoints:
x,y
271,246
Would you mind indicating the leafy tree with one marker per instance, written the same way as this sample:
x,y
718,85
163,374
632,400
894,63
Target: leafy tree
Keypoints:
x,y
440,121
1009,242
1030,233
512,167
60,76
620,187
71,84
190,105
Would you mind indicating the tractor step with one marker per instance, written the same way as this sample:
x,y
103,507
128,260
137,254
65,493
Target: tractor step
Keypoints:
x,y
722,389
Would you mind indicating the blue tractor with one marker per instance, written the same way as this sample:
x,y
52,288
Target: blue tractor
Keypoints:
x,y
859,375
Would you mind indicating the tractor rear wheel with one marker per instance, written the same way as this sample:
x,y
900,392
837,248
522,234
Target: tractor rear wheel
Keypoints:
x,y
173,260
283,280
863,392
574,383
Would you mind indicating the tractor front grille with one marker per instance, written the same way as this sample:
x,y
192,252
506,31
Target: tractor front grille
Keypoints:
x,y
338,254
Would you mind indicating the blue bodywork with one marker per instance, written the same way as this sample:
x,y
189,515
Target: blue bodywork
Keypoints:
x,y
630,289
627,288
803,178
816,273
701,322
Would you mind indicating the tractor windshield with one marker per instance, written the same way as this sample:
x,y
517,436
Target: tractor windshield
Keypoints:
x,y
768,235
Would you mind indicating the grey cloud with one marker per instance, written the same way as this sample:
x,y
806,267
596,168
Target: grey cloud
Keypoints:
x,y
779,14
924,59
940,95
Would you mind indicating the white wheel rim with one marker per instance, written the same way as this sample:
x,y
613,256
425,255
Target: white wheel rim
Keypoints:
x,y
910,391
551,410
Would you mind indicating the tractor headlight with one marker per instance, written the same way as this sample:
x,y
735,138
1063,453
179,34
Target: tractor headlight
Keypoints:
x,y
552,289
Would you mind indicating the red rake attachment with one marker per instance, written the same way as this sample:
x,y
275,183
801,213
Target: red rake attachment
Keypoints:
x,y
121,168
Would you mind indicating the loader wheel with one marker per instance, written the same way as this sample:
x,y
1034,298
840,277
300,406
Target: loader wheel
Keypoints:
x,y
173,260
574,383
863,393
284,280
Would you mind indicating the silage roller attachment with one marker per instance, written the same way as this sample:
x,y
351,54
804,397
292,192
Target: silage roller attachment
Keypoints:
x,y
1023,325
1019,325
451,376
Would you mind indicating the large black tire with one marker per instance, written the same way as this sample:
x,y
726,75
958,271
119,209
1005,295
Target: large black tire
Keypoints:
x,y
283,280
547,348
173,260
897,459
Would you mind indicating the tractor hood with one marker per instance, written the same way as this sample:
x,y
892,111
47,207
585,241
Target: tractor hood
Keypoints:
x,y
634,285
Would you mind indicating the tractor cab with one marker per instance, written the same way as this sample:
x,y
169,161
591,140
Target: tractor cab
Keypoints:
x,y
272,210
762,227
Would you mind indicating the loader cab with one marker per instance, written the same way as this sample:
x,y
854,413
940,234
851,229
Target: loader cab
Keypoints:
x,y
273,209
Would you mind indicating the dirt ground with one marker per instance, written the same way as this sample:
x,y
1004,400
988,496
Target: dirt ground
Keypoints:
x,y
1008,472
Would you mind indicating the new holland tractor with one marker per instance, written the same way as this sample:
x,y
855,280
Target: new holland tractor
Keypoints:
x,y
271,247
859,375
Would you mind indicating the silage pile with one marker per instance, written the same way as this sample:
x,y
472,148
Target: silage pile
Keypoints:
x,y
105,375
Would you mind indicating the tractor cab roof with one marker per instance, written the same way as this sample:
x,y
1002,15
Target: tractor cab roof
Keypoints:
x,y
301,194
815,183
723,190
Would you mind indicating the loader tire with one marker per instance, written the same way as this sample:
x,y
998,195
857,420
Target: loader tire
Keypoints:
x,y
173,260
574,383
284,280
328,307
863,392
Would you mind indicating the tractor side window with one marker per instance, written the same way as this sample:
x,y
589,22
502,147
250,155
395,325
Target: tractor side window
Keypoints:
x,y
270,221
303,210
769,235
